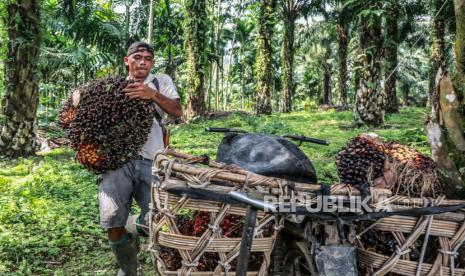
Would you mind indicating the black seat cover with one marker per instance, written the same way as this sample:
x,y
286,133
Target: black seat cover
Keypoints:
x,y
267,155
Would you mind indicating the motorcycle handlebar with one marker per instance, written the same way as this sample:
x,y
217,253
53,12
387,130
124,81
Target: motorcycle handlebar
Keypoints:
x,y
299,138
224,130
302,138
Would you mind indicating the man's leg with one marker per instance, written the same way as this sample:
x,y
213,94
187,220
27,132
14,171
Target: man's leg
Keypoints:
x,y
116,234
142,194
116,190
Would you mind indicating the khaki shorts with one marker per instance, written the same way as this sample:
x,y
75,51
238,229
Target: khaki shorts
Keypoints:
x,y
117,189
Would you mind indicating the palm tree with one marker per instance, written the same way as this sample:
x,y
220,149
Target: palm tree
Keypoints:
x,y
414,68
445,127
21,85
290,10
264,65
343,41
437,44
369,102
91,39
400,16
390,56
169,35
196,28
327,72
337,15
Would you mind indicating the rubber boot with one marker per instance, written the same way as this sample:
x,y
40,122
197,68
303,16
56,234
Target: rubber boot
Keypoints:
x,y
126,255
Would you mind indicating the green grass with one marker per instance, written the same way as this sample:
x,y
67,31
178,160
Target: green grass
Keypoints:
x,y
48,203
336,127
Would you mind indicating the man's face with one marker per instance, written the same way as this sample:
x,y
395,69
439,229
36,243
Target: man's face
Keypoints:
x,y
139,64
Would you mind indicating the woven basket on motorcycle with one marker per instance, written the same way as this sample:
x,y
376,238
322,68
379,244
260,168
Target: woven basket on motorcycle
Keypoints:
x,y
414,244
199,237
191,236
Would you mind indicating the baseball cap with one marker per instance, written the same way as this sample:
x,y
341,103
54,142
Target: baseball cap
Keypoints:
x,y
139,46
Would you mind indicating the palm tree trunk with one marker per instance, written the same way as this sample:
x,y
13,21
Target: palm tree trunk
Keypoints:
x,y
217,53
171,66
405,94
327,68
460,50
195,32
241,56
127,19
369,103
342,53
390,54
265,57
217,86
288,58
222,79
209,88
445,132
437,47
357,70
150,23
21,96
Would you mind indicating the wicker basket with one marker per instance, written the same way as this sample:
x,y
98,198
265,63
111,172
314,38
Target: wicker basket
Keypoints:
x,y
435,239
426,245
172,170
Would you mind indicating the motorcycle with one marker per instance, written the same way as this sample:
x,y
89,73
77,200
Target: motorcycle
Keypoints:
x,y
312,241
302,247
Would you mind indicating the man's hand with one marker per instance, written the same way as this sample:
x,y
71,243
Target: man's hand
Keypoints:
x,y
138,90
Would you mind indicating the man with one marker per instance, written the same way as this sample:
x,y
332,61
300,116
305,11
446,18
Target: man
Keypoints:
x,y
133,179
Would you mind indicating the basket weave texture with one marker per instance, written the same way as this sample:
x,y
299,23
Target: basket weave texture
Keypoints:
x,y
164,232
425,245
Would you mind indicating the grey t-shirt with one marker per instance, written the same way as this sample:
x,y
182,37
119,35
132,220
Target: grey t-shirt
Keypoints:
x,y
154,141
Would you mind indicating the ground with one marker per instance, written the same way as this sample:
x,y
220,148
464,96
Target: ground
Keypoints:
x,y
48,203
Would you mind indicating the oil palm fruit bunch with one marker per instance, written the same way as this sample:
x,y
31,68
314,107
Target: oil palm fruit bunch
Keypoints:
x,y
366,160
416,174
106,127
361,161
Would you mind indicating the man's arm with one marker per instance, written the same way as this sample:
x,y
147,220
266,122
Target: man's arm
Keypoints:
x,y
139,90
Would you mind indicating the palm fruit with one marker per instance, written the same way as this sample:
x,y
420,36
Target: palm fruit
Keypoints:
x,y
90,155
378,241
69,111
361,161
67,114
201,222
416,173
231,226
365,159
105,124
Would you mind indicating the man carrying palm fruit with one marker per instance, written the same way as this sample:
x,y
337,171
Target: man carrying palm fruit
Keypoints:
x,y
133,180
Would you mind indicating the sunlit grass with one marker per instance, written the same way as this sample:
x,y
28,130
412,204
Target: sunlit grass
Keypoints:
x,y
336,127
